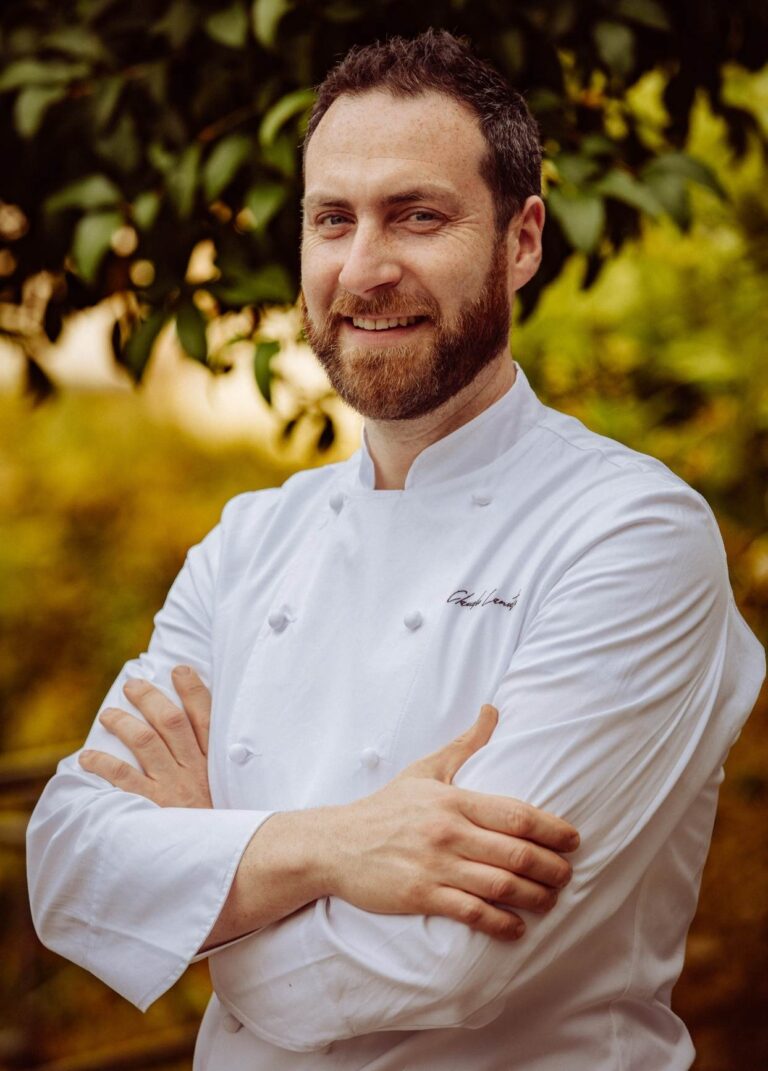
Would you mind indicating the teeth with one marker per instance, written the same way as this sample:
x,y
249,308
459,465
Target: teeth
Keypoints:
x,y
382,325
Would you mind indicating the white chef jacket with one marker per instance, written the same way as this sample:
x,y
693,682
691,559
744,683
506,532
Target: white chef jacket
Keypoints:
x,y
345,631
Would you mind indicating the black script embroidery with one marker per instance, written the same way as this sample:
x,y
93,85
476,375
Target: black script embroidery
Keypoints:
x,y
470,599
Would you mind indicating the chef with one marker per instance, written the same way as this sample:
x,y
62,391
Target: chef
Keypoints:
x,y
285,781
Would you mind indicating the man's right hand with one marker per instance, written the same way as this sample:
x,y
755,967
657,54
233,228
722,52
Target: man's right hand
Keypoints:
x,y
423,846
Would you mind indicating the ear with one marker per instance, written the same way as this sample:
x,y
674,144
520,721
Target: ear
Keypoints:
x,y
524,242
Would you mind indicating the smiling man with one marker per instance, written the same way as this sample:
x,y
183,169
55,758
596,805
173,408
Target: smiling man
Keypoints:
x,y
360,905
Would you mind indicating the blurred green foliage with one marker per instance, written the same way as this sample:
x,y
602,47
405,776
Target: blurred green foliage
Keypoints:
x,y
139,130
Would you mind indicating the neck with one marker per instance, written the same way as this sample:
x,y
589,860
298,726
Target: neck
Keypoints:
x,y
394,444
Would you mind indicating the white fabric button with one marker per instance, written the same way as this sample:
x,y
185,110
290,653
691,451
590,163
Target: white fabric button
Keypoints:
x,y
336,501
277,620
230,1023
481,499
413,620
239,754
369,757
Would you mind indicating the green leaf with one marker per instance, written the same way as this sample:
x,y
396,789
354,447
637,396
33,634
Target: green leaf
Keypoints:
x,y
686,167
225,160
90,241
266,16
145,208
615,45
301,100
229,27
262,360
625,187
106,99
581,217
121,146
264,201
77,41
645,12
281,155
178,23
190,327
182,180
31,105
575,168
29,72
271,284
93,191
138,348
671,191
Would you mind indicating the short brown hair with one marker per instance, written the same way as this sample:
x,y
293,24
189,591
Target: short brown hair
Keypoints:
x,y
436,60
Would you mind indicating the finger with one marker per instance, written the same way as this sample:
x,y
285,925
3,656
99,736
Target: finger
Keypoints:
x,y
474,912
170,721
514,855
507,815
501,887
118,773
151,751
196,700
443,764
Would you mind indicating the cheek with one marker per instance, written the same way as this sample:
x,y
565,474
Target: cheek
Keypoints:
x,y
319,278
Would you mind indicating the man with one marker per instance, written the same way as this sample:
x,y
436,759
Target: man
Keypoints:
x,y
479,548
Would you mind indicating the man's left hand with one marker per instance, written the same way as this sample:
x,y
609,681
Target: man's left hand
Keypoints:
x,y
171,745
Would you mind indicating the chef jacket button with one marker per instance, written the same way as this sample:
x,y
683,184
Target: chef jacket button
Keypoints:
x,y
336,501
481,499
277,620
239,754
230,1023
413,620
369,757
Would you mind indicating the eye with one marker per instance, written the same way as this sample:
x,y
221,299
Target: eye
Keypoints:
x,y
422,215
332,219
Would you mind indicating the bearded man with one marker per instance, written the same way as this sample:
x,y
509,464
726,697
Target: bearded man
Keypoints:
x,y
362,906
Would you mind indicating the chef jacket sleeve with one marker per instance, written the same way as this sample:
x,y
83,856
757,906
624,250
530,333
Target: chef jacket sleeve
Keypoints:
x,y
125,888
622,699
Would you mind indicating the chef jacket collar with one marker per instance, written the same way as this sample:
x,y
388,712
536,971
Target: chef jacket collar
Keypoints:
x,y
471,447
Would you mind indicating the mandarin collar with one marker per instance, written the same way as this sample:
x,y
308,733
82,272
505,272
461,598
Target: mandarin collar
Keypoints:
x,y
471,447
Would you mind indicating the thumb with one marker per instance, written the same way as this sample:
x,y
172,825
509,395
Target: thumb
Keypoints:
x,y
443,765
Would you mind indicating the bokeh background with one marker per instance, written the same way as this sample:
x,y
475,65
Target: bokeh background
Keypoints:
x,y
146,375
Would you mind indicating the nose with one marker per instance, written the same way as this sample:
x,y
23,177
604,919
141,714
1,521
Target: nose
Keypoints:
x,y
369,264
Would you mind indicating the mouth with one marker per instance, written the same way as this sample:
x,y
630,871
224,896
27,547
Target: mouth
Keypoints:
x,y
383,324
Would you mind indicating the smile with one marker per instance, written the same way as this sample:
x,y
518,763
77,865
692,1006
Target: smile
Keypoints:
x,y
365,323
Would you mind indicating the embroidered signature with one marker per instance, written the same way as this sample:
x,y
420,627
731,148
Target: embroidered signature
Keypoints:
x,y
470,599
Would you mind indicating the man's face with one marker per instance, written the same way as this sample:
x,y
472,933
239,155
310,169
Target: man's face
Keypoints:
x,y
404,279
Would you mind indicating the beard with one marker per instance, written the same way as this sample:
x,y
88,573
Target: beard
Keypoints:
x,y
407,380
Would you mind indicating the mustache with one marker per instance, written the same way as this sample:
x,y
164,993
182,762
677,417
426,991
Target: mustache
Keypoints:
x,y
348,305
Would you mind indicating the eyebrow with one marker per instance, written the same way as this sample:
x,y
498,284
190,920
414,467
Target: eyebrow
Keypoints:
x,y
418,193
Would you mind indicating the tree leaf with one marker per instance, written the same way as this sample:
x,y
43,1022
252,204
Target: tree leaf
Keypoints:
x,y
138,348
77,41
671,191
178,23
92,191
625,187
29,72
266,16
229,27
145,208
581,217
301,100
182,180
615,45
190,328
225,160
264,201
31,105
271,283
262,360
90,241
106,99
645,12
687,167
575,168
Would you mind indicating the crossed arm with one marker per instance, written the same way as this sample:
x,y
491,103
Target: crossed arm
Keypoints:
x,y
418,846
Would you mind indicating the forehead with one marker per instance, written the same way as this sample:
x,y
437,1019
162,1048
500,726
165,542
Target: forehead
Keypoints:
x,y
368,143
